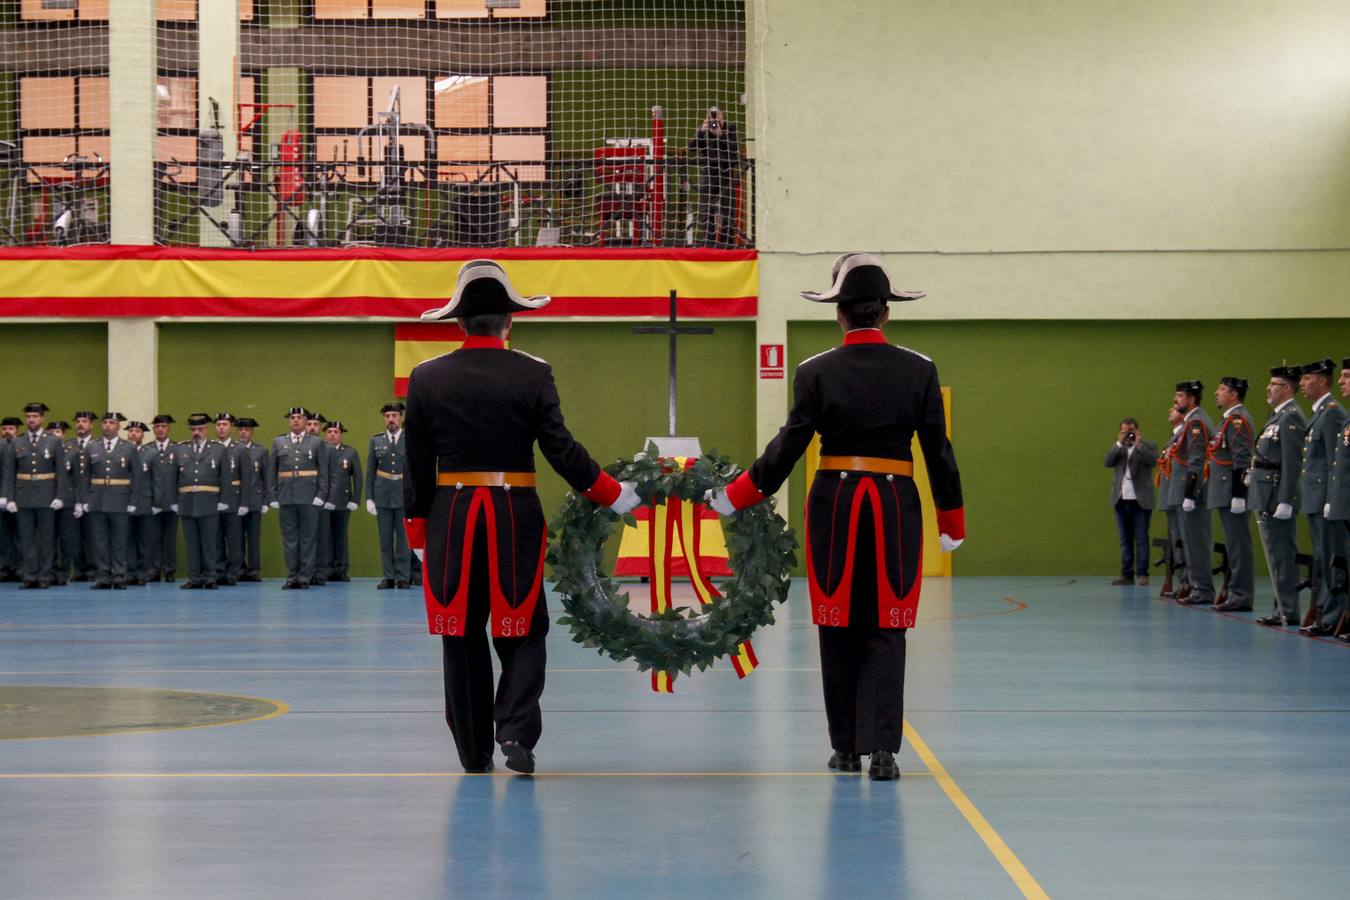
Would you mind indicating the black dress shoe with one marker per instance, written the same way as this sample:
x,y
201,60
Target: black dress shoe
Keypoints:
x,y
339,578
1344,638
290,585
1195,600
845,762
29,586
1315,630
190,586
227,581
100,586
518,758
44,584
1273,620
119,585
481,769
883,767
60,582
79,578
169,579
250,578
137,582
401,585
1230,606
319,582
385,585
210,585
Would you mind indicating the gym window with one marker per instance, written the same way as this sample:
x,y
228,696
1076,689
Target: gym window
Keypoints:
x,y
60,116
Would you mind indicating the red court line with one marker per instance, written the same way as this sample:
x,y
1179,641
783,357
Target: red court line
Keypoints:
x,y
1280,629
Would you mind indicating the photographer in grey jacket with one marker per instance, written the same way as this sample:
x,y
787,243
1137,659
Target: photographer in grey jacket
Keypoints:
x,y
1133,459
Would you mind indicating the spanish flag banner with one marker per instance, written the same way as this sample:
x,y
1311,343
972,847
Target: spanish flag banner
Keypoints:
x,y
414,344
663,682
745,661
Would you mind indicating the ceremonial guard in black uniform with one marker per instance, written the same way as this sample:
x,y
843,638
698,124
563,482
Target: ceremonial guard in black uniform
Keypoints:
x,y
138,538
386,463
1273,492
201,479
1230,457
299,484
234,487
32,490
864,557
164,501
344,495
113,473
474,416
1319,452
256,499
11,559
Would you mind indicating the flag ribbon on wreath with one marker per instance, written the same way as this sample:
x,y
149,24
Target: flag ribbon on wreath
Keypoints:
x,y
683,518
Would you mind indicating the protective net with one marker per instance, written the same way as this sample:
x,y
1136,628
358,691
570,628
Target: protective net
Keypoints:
x,y
456,123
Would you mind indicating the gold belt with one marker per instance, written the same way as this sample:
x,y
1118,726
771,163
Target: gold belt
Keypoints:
x,y
235,483
199,489
390,475
110,482
485,479
41,476
868,464
301,473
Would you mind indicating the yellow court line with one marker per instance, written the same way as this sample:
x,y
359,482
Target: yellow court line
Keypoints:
x,y
1002,852
94,776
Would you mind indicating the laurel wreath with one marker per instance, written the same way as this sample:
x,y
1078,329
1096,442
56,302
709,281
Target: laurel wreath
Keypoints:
x,y
761,548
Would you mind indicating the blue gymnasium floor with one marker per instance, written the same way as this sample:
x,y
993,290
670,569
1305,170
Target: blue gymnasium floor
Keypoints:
x,y
1096,743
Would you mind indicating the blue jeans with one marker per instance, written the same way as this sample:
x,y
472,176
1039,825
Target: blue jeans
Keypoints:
x,y
1132,523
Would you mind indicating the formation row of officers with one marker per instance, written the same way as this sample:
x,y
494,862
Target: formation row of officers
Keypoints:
x,y
107,508
1297,466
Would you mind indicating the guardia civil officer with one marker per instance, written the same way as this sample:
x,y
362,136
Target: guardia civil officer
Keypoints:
x,y
67,517
474,416
386,465
255,500
344,495
1176,582
1337,508
316,424
235,486
300,482
1273,494
32,490
1188,489
867,399
139,523
11,559
164,500
1319,450
1229,458
84,568
113,474
201,480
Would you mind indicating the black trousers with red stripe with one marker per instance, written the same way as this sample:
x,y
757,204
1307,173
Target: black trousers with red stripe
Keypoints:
x,y
862,666
471,710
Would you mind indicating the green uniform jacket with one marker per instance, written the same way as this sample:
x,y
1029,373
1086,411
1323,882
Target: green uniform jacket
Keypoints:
x,y
111,476
1279,457
259,473
1319,449
1188,457
143,498
346,476
39,472
163,474
6,469
1338,493
1164,473
299,470
238,481
386,464
1230,456
72,463
200,479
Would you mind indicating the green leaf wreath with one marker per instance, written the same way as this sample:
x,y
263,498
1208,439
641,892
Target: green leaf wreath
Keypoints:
x,y
762,552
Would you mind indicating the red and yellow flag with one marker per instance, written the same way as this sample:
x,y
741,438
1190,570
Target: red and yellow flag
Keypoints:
x,y
417,343
663,682
745,661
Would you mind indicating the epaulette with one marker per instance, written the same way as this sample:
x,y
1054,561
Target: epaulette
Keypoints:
x,y
915,352
530,356
816,357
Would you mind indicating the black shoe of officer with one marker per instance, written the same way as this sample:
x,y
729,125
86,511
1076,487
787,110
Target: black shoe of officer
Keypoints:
x,y
1274,620
385,584
481,769
883,767
119,585
518,758
190,586
29,585
1315,630
845,762
319,582
401,585
227,581
101,586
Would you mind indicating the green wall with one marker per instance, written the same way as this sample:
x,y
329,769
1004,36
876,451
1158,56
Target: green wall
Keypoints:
x,y
1036,405
64,366
612,384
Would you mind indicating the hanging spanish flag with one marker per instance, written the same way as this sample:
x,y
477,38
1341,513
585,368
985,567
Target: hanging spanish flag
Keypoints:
x,y
745,661
418,343
663,682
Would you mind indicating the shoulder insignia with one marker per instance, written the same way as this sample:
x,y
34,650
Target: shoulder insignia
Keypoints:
x,y
915,352
530,356
816,357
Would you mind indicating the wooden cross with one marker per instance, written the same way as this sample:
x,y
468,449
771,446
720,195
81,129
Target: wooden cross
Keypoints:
x,y
673,329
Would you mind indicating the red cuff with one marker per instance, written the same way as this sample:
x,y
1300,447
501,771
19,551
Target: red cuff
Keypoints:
x,y
416,529
952,523
604,492
742,492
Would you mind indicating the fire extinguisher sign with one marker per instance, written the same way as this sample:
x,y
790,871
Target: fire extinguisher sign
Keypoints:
x,y
770,361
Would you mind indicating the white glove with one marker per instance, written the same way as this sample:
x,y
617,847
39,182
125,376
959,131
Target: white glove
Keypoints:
x,y
131,510
155,510
1188,505
1326,511
243,511
318,501
719,501
57,505
628,499
78,510
173,507
11,506
275,505
1238,506
420,554
221,507
370,507
351,506
86,506
262,510
948,545
330,506
1284,511
4,501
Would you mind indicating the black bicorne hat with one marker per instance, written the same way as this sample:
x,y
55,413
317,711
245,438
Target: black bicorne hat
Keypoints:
x,y
297,411
198,419
1195,388
59,425
114,417
1325,367
36,407
162,419
1237,384
226,417
11,420
859,276
134,424
1286,373
483,288
85,414
334,423
247,422
392,407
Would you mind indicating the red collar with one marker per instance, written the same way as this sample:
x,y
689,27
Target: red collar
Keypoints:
x,y
482,342
864,336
